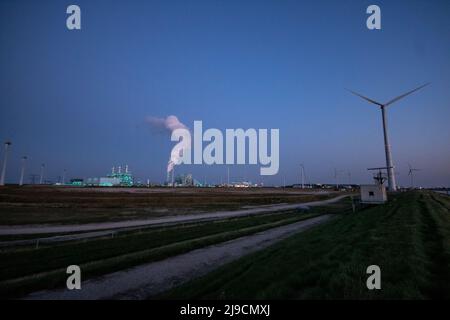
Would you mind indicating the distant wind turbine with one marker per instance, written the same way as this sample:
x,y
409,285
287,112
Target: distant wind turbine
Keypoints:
x,y
22,170
336,177
411,174
389,163
303,175
63,182
41,178
5,160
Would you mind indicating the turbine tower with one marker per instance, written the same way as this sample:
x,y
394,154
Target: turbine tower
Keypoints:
x,y
22,171
63,180
303,175
387,147
336,177
41,178
5,160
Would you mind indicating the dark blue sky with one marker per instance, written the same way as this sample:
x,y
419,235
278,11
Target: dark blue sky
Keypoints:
x,y
78,99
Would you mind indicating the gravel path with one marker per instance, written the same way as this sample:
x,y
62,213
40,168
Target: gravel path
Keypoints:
x,y
146,280
47,229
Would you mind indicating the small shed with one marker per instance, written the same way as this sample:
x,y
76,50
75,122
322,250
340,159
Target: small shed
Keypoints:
x,y
373,193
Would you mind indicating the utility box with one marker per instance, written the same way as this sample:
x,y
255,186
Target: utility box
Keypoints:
x,y
373,194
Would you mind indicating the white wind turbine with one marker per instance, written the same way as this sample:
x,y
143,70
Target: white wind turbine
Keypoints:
x,y
389,163
22,170
5,160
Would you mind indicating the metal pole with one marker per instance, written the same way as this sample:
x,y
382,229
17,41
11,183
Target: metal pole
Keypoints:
x,y
390,166
5,160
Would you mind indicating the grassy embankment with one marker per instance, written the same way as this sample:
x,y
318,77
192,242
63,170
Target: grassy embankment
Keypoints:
x,y
26,269
409,238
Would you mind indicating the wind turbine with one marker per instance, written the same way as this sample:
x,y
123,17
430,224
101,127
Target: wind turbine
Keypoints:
x,y
22,171
303,175
5,160
41,178
411,174
63,182
336,177
389,163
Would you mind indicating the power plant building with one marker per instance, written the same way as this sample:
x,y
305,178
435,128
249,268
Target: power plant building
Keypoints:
x,y
114,179
124,179
109,182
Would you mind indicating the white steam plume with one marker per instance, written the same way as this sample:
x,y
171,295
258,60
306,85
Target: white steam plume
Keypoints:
x,y
170,124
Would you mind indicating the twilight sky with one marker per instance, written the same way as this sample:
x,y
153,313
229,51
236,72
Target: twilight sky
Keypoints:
x,y
79,99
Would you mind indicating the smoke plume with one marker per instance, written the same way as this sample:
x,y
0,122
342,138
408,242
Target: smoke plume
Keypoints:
x,y
170,124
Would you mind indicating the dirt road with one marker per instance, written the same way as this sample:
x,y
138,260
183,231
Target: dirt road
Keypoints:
x,y
48,229
147,280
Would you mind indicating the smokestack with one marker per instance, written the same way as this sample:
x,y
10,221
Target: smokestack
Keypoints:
x,y
173,177
5,160
22,171
41,178
170,124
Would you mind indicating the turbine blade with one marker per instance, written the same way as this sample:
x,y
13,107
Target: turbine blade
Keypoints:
x,y
406,94
365,98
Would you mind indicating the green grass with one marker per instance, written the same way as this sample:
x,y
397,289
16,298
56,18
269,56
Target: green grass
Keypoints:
x,y
409,238
26,269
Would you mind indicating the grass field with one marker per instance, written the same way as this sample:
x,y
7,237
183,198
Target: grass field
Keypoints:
x,y
408,238
26,269
65,205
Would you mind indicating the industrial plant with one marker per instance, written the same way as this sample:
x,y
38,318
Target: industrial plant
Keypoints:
x,y
209,153
117,178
